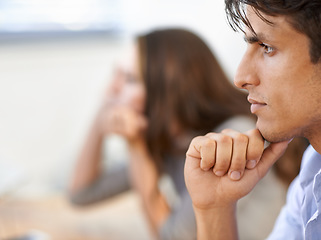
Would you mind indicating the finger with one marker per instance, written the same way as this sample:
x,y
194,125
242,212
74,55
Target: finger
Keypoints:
x,y
240,144
203,148
224,146
193,156
255,148
207,154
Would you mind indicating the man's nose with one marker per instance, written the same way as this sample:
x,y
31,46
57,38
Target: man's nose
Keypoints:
x,y
246,74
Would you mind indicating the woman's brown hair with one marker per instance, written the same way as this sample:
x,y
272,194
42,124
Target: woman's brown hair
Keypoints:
x,y
185,84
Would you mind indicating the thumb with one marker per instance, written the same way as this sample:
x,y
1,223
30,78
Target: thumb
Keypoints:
x,y
270,155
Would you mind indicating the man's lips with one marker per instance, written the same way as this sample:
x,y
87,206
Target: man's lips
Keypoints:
x,y
255,105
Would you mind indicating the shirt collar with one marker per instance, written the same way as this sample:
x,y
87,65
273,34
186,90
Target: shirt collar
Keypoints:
x,y
310,166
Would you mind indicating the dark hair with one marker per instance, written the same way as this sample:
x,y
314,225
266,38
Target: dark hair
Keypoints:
x,y
184,84
303,15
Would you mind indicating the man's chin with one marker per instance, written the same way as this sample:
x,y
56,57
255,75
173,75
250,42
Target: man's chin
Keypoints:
x,y
274,137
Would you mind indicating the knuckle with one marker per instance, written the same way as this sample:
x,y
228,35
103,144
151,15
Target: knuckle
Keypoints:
x,y
224,138
227,130
209,143
254,133
241,138
211,134
196,140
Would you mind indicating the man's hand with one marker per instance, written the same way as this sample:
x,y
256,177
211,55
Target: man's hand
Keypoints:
x,y
223,167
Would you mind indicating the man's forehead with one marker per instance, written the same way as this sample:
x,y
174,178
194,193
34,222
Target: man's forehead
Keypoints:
x,y
263,26
256,17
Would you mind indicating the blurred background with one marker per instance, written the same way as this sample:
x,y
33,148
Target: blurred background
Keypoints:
x,y
56,58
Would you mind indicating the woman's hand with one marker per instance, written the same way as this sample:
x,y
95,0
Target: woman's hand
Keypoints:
x,y
123,120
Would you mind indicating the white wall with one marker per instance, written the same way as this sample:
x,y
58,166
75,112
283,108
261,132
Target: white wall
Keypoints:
x,y
49,90
205,17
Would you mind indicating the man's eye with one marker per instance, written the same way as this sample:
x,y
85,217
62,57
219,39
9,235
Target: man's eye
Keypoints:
x,y
267,49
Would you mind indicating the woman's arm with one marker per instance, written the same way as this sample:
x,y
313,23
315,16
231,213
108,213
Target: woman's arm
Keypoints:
x,y
112,118
88,164
144,177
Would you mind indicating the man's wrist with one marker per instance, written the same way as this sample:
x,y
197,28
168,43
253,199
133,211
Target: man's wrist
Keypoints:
x,y
211,212
217,221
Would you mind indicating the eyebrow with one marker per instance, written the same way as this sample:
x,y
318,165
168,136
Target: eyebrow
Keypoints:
x,y
256,37
251,39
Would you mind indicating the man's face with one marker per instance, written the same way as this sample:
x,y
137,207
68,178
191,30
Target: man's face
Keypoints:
x,y
284,86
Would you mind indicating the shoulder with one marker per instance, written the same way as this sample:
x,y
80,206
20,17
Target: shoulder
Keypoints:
x,y
239,123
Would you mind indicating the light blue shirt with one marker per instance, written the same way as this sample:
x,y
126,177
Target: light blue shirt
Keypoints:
x,y
300,218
